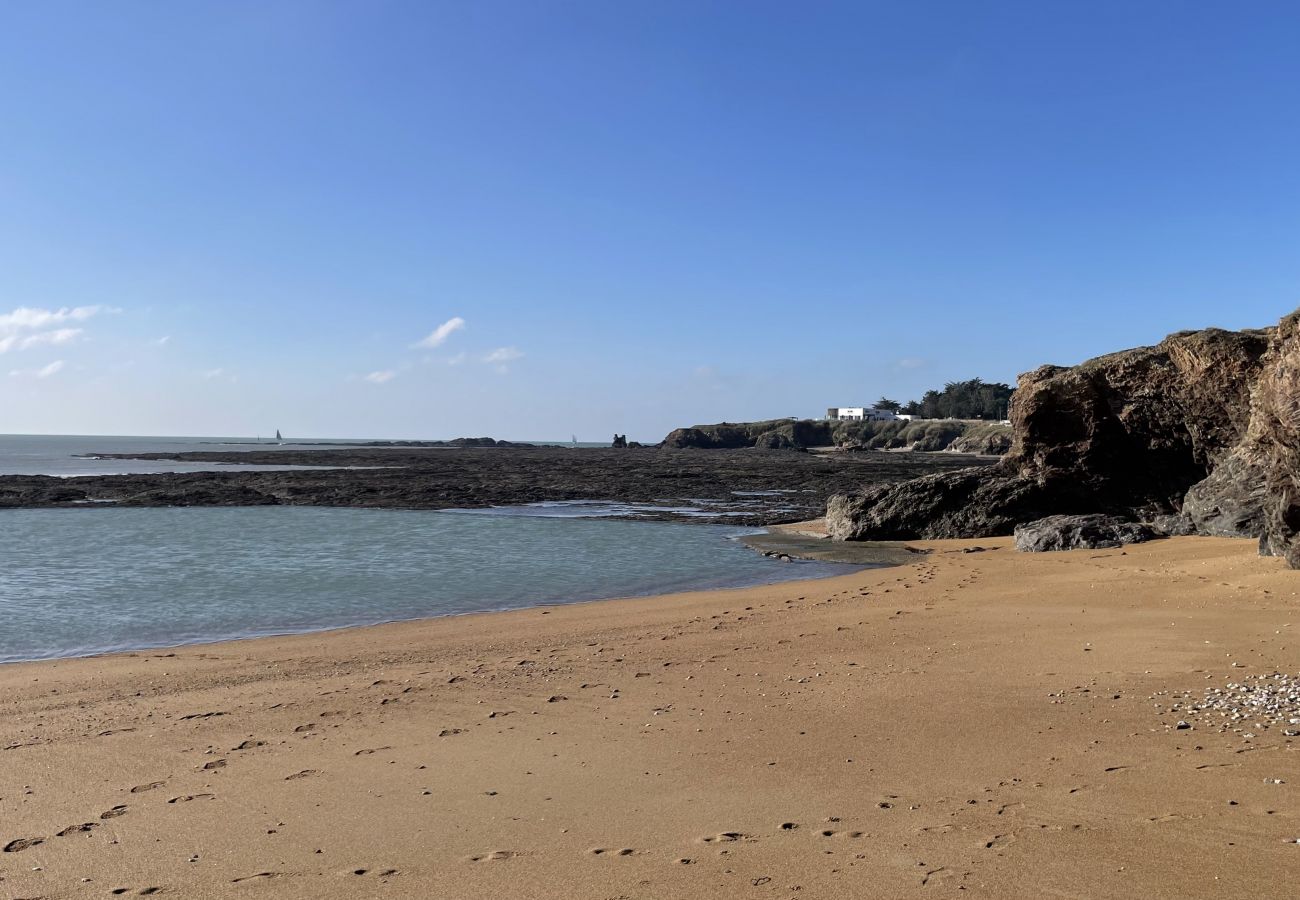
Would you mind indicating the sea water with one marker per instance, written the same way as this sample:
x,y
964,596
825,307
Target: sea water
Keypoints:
x,y
68,455
81,581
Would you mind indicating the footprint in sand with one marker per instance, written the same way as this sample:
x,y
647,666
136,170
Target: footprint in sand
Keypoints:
x,y
495,855
305,773
17,846
259,876
77,829
141,788
186,798
370,751
114,812
602,851
215,764
725,837
249,745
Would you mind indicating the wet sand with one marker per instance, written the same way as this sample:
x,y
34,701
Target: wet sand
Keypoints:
x,y
970,724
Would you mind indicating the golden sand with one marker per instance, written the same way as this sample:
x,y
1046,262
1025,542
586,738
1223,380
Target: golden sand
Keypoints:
x,y
972,724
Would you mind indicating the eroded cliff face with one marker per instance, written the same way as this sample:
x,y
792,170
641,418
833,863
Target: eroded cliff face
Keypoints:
x,y
1271,449
1200,433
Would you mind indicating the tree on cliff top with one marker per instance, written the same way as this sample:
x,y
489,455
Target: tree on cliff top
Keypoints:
x,y
974,399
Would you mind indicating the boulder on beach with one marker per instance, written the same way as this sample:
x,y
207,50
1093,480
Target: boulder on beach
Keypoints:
x,y
1089,532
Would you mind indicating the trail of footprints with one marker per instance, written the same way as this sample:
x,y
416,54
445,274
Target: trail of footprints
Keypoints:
x,y
720,840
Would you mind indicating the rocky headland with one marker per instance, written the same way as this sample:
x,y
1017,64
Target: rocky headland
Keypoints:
x,y
922,435
1199,434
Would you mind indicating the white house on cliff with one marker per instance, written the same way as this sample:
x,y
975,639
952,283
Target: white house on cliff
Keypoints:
x,y
860,414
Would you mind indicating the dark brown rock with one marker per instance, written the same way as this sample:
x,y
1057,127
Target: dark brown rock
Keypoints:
x,y
1202,429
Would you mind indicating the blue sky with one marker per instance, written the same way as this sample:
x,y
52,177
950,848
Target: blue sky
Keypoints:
x,y
224,218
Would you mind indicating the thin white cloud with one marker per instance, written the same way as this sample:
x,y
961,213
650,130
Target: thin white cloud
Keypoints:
x,y
911,362
162,341
30,318
30,326
23,342
457,359
381,377
503,355
43,372
214,373
58,336
439,335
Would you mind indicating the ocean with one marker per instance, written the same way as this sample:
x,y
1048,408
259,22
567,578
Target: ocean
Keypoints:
x,y
82,581
68,455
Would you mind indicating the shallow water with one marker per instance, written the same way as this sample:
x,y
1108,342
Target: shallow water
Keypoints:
x,y
81,581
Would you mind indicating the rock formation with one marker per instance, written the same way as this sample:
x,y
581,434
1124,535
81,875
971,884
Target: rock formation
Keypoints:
x,y
1089,532
1200,432
983,438
771,434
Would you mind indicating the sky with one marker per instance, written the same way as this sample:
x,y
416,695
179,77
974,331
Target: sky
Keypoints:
x,y
549,217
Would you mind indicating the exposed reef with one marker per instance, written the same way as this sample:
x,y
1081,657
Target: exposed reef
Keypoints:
x,y
751,488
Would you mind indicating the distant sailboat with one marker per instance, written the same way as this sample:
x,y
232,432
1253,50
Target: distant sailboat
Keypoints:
x,y
575,441
277,436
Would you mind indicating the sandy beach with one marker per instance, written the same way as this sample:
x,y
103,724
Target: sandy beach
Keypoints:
x,y
981,724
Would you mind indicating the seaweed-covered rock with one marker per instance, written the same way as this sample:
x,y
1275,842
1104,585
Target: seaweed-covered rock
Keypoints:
x,y
1089,532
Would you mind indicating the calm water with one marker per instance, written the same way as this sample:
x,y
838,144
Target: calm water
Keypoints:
x,y
79,581
62,454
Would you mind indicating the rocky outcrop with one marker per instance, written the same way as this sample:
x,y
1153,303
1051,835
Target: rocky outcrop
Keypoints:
x,y
1202,429
771,434
1089,532
1272,444
1229,502
926,435
991,439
